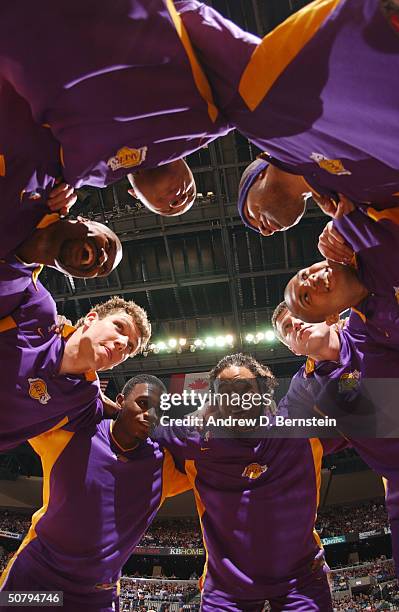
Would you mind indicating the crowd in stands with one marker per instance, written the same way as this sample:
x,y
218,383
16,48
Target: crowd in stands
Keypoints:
x,y
339,520
143,594
5,556
387,599
380,569
182,532
186,533
14,522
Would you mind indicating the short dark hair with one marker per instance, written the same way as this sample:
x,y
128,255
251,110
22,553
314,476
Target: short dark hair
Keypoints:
x,y
278,311
245,361
147,379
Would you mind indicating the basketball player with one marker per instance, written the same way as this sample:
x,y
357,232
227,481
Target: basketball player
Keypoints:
x,y
102,487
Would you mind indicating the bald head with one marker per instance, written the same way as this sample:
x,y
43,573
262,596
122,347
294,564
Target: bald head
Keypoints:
x,y
271,199
80,248
167,190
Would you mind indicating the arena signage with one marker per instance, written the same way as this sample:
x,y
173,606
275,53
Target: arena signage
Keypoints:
x,y
187,551
163,551
10,534
333,540
371,534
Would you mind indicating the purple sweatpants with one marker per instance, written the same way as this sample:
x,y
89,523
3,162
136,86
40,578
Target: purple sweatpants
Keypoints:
x,y
310,593
26,575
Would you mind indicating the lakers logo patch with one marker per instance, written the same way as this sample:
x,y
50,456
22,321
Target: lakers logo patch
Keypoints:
x,y
349,381
127,158
38,390
333,166
254,470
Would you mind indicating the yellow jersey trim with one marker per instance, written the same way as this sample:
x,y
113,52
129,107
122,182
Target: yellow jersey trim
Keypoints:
x,y
49,446
310,366
7,323
35,275
361,315
48,220
2,165
317,453
386,485
173,481
191,471
391,214
279,48
67,330
200,79
91,376
62,157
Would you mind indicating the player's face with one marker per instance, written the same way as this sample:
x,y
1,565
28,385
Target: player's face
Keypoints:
x,y
275,202
109,341
236,385
167,190
91,249
300,337
321,291
142,404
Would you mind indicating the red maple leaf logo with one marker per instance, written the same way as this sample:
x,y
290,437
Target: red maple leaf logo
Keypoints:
x,y
199,383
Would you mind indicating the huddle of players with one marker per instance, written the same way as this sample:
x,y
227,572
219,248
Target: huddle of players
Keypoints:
x,y
103,479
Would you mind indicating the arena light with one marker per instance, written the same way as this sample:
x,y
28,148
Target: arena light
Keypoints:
x,y
198,342
229,339
270,336
209,341
182,341
260,336
172,342
220,341
161,345
249,337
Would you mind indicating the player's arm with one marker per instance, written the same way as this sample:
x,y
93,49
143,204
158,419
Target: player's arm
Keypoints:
x,y
211,36
184,442
15,278
299,400
174,480
360,229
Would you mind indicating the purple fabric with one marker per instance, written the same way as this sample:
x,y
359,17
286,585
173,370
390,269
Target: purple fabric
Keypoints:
x,y
308,592
101,502
27,575
32,163
376,246
259,166
30,357
272,516
150,103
